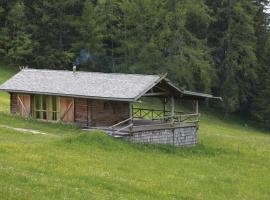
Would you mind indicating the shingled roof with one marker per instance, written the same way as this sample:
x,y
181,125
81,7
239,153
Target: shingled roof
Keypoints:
x,y
95,85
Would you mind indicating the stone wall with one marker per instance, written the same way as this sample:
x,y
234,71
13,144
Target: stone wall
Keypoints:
x,y
179,136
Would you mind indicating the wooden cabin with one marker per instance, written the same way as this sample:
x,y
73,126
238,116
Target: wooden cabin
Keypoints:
x,y
96,100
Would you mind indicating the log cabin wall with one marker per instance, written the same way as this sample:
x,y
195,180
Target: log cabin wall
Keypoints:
x,y
67,109
20,104
91,113
108,113
84,112
24,105
14,103
81,109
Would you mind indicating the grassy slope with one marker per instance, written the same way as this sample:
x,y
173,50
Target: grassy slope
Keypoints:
x,y
231,162
5,73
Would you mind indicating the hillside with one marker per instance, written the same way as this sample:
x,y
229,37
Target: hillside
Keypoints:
x,y
5,73
231,161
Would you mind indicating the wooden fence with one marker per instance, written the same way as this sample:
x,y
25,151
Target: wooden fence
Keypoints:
x,y
152,114
165,118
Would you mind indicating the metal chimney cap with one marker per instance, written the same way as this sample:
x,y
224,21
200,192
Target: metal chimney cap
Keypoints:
x,y
74,68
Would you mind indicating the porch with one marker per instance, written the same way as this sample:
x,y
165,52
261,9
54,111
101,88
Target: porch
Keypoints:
x,y
144,119
156,127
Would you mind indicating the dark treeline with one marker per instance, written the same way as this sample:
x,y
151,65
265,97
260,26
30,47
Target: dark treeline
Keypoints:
x,y
218,46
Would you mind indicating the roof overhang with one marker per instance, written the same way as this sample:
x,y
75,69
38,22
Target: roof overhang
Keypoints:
x,y
199,96
173,90
69,95
113,90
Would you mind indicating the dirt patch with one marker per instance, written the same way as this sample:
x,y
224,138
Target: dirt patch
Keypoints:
x,y
24,130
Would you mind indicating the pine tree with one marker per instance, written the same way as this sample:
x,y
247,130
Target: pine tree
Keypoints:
x,y
234,42
19,47
260,104
54,31
91,29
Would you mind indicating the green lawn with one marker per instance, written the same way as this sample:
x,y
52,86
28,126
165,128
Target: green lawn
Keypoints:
x,y
231,161
6,72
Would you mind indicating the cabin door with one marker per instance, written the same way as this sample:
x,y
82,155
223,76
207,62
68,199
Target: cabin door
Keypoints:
x,y
24,105
67,109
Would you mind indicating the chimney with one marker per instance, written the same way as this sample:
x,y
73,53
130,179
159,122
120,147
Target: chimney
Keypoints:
x,y
74,68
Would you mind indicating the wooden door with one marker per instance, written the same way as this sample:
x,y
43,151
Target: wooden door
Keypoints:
x,y
24,105
67,109
90,122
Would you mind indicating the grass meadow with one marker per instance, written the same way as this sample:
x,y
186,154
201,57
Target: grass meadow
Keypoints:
x,y
6,72
231,161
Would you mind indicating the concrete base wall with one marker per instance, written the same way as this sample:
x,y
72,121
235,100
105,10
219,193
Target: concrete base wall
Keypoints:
x,y
180,136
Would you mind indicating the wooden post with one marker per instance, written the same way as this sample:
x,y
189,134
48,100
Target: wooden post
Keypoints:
x,y
10,102
173,108
131,111
197,106
164,107
197,109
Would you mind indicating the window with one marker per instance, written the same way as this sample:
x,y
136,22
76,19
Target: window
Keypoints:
x,y
46,107
54,108
37,106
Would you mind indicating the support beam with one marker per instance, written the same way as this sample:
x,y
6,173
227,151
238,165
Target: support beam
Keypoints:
x,y
164,106
153,94
197,109
197,106
131,111
173,107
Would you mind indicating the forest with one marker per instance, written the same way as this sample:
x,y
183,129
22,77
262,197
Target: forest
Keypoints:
x,y
213,46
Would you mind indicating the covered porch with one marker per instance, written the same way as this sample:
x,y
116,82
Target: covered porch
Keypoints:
x,y
143,118
163,124
165,115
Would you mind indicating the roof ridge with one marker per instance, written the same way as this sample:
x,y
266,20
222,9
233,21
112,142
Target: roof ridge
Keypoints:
x,y
90,72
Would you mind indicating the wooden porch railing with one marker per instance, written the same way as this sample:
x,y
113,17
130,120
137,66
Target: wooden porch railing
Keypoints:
x,y
116,128
152,114
165,116
166,119
187,118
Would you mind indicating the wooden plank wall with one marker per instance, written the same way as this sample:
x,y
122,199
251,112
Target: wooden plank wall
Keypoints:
x,y
67,109
14,103
84,112
24,105
91,113
81,112
108,113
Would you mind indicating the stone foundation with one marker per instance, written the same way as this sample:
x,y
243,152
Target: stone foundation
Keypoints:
x,y
179,136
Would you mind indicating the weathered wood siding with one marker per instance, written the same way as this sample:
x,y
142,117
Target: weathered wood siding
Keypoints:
x,y
67,109
84,112
20,104
24,105
99,113
14,103
81,109
108,113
